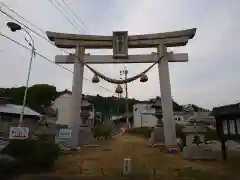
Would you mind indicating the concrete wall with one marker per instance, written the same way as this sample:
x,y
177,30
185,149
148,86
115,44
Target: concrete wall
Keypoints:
x,y
141,118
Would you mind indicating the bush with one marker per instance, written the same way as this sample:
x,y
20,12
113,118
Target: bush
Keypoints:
x,y
101,131
32,154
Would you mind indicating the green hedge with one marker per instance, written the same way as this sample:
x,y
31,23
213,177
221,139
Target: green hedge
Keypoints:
x,y
102,131
32,154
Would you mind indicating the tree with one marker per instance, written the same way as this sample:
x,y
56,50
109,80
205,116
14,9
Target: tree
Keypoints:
x,y
39,96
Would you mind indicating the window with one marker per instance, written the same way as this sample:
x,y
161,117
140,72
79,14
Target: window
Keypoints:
x,y
238,126
225,128
177,118
232,127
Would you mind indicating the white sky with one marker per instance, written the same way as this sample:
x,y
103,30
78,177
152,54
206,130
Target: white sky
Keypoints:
x,y
209,78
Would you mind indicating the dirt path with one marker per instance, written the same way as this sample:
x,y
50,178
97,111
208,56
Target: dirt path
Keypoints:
x,y
109,158
107,161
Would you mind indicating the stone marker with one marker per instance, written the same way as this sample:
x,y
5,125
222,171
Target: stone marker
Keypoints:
x,y
194,148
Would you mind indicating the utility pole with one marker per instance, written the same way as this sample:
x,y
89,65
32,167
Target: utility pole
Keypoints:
x,y
125,73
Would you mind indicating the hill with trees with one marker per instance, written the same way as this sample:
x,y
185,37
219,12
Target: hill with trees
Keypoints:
x,y
40,96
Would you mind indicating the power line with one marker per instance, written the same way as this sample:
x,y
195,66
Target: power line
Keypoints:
x,y
11,17
39,36
10,9
44,57
64,14
79,19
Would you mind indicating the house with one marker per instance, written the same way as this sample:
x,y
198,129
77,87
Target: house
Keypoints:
x,y
10,115
149,113
62,107
181,117
203,117
143,115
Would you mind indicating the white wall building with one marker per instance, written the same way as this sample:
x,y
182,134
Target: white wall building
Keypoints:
x,y
181,117
143,116
62,106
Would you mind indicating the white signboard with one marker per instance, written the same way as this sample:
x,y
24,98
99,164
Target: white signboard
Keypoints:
x,y
18,132
65,133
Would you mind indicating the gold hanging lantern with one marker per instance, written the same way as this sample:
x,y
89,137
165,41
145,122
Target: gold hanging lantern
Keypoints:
x,y
95,79
119,89
143,78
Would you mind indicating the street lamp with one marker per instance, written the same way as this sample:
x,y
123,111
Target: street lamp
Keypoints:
x,y
16,27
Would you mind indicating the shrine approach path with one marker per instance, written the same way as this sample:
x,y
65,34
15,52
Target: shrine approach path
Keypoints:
x,y
107,161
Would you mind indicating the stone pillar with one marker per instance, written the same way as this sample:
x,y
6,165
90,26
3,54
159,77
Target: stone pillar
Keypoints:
x,y
166,99
77,85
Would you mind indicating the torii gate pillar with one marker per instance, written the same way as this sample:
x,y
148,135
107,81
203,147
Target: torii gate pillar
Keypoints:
x,y
166,98
77,85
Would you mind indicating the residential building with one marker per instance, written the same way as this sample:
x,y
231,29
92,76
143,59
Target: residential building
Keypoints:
x,y
10,115
149,113
143,115
62,107
182,117
205,118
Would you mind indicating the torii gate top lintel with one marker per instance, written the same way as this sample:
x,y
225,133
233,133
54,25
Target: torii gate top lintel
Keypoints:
x,y
170,39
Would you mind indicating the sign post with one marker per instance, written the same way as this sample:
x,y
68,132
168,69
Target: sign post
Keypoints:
x,y
18,132
63,136
127,166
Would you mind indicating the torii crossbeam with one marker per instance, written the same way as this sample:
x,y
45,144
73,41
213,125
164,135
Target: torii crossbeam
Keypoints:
x,y
120,42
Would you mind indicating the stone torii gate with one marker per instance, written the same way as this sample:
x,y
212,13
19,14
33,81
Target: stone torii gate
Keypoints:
x,y
120,42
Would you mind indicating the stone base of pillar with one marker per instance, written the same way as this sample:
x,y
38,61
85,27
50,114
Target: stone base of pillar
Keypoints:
x,y
157,136
85,136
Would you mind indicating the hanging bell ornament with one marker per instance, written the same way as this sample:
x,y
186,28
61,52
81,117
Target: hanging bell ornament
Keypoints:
x,y
119,89
95,79
143,78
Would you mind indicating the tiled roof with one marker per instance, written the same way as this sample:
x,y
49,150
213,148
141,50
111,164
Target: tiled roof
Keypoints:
x,y
231,109
16,109
202,117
